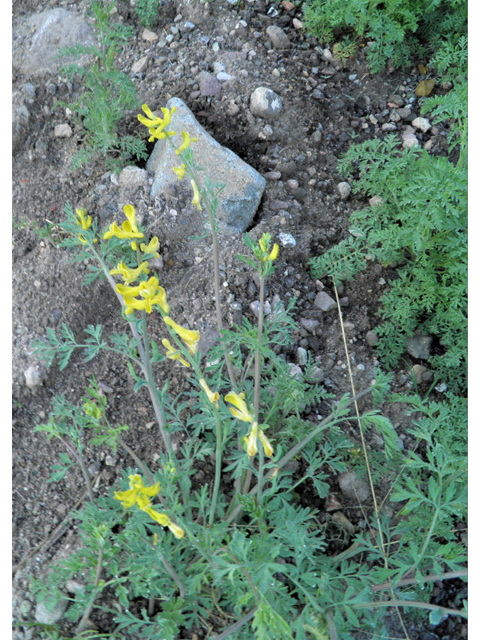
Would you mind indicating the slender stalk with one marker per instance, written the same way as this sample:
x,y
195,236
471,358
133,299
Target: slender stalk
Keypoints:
x,y
261,462
170,570
258,357
237,625
84,469
218,467
410,603
83,622
428,578
330,420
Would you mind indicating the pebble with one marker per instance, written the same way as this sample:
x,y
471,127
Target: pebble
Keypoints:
x,y
33,377
265,103
43,616
30,89
419,346
309,324
324,302
233,110
298,24
287,168
278,37
302,356
419,370
287,240
288,6
423,124
327,55
404,112
409,138
291,184
353,487
223,76
188,26
316,137
371,338
344,189
140,65
255,308
375,201
209,85
149,36
133,177
63,131
273,175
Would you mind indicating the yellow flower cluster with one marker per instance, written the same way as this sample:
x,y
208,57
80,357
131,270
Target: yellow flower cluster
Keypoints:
x,y
158,131
138,493
84,222
242,413
264,243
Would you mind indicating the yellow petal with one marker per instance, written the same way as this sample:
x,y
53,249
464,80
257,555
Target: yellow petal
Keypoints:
x,y
267,447
191,338
241,412
177,531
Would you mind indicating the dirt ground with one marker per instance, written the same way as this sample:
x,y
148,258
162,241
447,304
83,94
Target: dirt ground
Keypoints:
x,y
347,101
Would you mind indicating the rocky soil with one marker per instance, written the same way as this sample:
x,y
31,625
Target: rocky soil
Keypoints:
x,y
213,56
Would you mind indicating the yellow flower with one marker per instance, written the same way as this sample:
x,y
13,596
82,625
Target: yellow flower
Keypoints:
x,y
190,338
251,442
174,354
151,293
264,243
180,171
186,142
83,222
153,121
136,492
241,412
160,135
274,252
161,518
196,194
130,275
129,227
213,397
151,247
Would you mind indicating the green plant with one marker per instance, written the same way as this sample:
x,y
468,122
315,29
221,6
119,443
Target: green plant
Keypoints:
x,y
147,12
241,550
108,94
420,224
396,28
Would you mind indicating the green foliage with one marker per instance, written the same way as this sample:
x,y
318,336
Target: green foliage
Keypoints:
x,y
421,224
108,94
397,29
147,12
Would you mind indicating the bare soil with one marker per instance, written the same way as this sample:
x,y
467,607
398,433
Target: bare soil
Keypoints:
x,y
47,287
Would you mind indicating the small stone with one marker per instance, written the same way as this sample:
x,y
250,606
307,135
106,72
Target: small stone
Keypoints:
x,y
327,55
63,131
404,112
133,177
218,67
223,76
324,302
353,487
371,338
72,586
376,200
291,184
110,461
389,126
372,119
140,65
419,370
344,189
149,36
302,356
287,240
288,6
309,324
295,371
33,378
341,519
273,175
287,168
255,308
278,37
233,110
265,103
419,347
188,26
422,124
409,138
209,85
43,616
298,24
316,137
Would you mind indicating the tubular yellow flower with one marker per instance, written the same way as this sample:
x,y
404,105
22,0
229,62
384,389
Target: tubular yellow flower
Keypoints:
x,y
190,338
160,135
83,222
151,293
152,121
129,227
161,518
267,447
130,275
274,252
241,412
151,247
186,142
180,171
136,492
251,440
174,354
196,194
213,397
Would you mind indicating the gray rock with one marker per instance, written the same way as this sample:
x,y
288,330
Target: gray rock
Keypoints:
x,y
371,338
316,137
309,324
43,616
278,37
352,487
39,40
419,347
20,122
409,138
265,103
133,177
223,76
302,356
34,377
324,302
209,85
344,189
423,124
287,168
404,112
140,65
63,131
287,240
239,201
418,371
255,308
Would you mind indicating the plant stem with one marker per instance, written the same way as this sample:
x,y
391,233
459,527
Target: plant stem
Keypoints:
x,y
237,625
428,578
84,620
218,467
169,569
410,603
81,463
